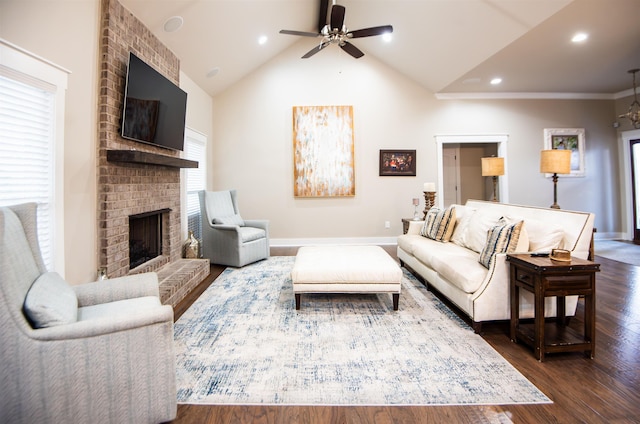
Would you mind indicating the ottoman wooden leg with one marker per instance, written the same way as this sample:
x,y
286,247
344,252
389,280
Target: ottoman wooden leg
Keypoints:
x,y
297,301
396,298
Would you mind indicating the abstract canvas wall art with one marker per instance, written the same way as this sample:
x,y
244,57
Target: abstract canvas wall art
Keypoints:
x,y
323,151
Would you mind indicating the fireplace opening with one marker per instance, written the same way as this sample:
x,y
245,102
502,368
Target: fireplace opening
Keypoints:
x,y
145,237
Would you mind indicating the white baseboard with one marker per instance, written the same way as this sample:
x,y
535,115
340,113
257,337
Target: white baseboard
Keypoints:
x,y
378,241
609,236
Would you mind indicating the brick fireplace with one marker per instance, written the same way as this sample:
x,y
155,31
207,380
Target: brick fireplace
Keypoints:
x,y
136,187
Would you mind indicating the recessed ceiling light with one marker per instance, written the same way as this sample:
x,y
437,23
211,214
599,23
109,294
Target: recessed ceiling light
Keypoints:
x,y
387,37
496,81
213,72
173,24
580,37
262,40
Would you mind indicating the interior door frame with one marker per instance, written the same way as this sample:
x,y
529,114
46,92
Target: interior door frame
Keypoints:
x,y
634,149
457,172
625,179
499,139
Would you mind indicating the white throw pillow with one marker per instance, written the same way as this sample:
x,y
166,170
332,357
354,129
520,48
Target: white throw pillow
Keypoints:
x,y
461,230
544,236
479,224
50,301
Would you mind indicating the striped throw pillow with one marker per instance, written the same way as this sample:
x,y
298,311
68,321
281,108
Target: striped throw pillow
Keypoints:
x,y
439,224
502,238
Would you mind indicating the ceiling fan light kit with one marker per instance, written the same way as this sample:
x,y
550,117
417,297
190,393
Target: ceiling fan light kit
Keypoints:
x,y
335,31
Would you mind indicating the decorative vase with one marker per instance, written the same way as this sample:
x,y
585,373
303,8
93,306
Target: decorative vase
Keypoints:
x,y
191,247
102,274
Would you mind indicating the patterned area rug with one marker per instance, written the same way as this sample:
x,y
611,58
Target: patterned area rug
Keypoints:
x,y
243,342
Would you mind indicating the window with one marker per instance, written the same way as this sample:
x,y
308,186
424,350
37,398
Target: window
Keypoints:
x,y
26,147
195,148
31,143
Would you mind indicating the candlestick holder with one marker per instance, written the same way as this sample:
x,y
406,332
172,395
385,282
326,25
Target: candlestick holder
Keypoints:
x,y
429,201
416,215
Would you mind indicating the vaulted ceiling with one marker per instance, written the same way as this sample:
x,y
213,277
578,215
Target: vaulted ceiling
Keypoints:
x,y
453,48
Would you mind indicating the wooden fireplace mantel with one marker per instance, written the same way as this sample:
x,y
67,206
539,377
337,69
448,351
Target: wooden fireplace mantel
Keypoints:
x,y
146,158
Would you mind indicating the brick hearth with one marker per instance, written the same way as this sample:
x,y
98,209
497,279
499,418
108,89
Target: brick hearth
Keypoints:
x,y
126,189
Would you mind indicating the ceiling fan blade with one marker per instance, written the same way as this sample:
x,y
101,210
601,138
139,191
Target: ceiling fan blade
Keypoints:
x,y
301,33
368,32
322,18
315,50
352,50
337,17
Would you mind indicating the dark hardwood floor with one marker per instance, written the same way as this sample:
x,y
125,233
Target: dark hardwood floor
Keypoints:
x,y
605,389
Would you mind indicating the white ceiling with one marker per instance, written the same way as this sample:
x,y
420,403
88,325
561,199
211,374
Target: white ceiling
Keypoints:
x,y
451,47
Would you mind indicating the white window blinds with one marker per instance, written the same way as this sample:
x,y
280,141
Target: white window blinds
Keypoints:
x,y
195,149
27,116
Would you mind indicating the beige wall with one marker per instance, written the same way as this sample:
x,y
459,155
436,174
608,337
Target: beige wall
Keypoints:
x,y
252,149
65,33
199,106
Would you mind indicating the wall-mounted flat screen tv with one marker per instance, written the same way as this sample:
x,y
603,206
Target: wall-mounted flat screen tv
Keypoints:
x,y
154,108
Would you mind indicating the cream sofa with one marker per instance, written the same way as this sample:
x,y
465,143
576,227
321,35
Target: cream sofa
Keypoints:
x,y
482,293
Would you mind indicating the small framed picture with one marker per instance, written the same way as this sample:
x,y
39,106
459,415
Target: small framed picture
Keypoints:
x,y
568,139
400,163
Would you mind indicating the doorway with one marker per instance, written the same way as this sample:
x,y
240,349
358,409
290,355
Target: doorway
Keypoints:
x,y
629,187
462,172
635,187
459,167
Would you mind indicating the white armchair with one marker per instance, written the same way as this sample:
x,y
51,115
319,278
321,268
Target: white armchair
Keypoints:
x,y
99,352
227,239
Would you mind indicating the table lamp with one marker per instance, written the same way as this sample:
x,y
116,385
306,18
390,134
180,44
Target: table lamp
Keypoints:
x,y
493,167
555,162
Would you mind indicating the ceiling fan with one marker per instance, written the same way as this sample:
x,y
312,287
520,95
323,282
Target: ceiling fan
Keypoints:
x,y
335,32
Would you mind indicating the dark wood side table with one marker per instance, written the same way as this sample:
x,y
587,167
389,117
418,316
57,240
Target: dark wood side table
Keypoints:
x,y
545,277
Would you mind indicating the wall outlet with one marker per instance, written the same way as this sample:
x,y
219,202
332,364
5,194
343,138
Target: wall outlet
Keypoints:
x,y
387,224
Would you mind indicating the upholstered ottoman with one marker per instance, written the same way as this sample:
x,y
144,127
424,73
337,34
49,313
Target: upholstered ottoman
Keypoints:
x,y
345,269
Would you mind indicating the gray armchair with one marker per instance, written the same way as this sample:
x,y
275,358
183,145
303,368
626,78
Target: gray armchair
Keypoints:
x,y
96,353
227,239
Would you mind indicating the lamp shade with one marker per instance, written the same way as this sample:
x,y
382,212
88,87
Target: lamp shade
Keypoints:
x,y
492,167
555,161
